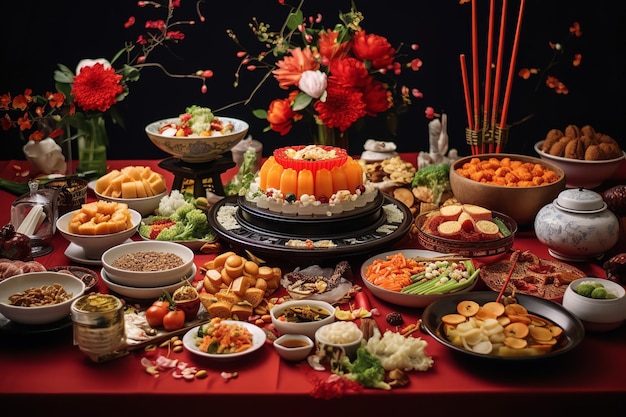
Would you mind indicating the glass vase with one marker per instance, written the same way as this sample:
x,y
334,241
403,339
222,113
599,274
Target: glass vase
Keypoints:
x,y
329,136
92,146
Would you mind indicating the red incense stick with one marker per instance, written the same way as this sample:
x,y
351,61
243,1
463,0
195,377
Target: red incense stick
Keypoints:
x,y
496,85
468,105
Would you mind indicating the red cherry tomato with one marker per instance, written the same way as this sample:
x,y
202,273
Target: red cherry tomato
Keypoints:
x,y
174,319
155,315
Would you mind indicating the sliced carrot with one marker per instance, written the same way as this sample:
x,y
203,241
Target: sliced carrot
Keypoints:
x,y
394,272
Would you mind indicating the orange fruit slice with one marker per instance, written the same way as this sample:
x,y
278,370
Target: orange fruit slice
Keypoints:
x,y
495,307
516,329
453,318
515,309
515,343
540,334
467,308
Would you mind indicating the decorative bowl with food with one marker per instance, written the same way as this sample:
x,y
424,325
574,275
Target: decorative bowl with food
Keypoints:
x,y
581,172
389,276
148,264
515,185
197,135
98,226
523,328
39,297
599,303
137,186
301,316
146,293
341,338
466,229
586,156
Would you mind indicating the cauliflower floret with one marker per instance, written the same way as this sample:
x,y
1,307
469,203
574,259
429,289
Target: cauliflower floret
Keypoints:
x,y
170,203
397,351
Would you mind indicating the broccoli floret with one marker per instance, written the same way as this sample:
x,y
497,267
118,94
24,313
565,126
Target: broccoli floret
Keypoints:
x,y
435,177
367,370
201,118
181,212
172,232
197,218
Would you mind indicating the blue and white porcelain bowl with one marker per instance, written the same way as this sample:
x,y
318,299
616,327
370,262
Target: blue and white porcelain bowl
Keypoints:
x,y
577,226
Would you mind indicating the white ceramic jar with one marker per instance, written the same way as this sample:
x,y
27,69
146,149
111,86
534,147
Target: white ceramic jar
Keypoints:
x,y
577,226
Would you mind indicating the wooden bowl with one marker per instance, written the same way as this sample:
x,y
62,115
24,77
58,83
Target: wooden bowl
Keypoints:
x,y
520,203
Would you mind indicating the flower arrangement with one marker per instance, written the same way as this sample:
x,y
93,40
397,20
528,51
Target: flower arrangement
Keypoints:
x,y
334,76
82,99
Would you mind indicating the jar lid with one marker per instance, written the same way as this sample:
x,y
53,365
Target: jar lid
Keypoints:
x,y
580,199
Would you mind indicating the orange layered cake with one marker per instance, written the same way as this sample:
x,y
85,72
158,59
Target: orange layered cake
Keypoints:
x,y
310,180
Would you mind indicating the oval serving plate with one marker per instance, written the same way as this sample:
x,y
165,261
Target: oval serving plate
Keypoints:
x,y
471,249
401,299
88,276
258,340
573,329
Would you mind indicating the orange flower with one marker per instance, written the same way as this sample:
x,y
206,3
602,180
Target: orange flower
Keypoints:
x,y
280,114
290,68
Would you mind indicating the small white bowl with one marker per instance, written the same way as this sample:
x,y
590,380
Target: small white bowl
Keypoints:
x,y
38,314
144,205
147,293
95,245
342,336
197,149
293,347
305,328
147,278
582,173
597,315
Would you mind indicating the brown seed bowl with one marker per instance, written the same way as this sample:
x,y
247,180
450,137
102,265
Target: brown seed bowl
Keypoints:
x,y
520,203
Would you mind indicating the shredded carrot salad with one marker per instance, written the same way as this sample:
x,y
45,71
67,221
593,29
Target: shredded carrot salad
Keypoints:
x,y
394,272
222,338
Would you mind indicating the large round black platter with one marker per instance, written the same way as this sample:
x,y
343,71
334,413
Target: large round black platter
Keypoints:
x,y
293,225
574,331
269,238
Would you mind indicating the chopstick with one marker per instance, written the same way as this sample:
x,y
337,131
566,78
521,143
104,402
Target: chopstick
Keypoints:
x,y
514,259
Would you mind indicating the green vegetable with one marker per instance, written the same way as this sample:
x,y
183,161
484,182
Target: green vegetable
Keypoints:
x,y
585,289
450,277
599,292
435,177
194,225
366,369
201,118
503,229
240,183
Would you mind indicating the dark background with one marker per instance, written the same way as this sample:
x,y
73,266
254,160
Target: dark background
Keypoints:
x,y
40,34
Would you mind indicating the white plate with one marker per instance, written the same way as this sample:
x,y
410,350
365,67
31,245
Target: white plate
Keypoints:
x,y
258,340
77,254
402,299
92,185
145,293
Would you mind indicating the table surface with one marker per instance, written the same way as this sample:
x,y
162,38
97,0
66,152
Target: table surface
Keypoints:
x,y
590,377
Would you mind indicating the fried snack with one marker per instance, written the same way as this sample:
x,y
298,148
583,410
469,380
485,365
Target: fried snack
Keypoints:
x,y
552,137
558,149
588,131
575,149
581,143
573,131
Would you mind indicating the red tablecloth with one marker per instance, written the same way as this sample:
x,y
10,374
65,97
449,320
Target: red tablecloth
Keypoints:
x,y
49,373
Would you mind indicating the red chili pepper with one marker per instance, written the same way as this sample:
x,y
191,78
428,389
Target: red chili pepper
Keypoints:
x,y
362,301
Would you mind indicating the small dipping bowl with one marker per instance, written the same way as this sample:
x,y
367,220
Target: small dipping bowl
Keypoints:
x,y
293,347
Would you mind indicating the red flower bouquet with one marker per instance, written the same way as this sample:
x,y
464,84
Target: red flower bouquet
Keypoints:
x,y
335,77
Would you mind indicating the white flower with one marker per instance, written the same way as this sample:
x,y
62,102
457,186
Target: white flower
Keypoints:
x,y
91,62
313,83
